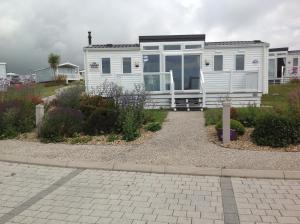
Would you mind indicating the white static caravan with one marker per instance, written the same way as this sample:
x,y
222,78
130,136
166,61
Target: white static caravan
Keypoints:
x,y
283,65
69,70
2,70
183,70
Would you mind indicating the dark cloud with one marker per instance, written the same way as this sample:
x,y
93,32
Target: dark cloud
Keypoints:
x,y
31,29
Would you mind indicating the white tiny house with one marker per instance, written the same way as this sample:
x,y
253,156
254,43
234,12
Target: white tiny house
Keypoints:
x,y
183,70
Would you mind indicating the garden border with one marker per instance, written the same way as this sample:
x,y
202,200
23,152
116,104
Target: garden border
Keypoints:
x,y
181,170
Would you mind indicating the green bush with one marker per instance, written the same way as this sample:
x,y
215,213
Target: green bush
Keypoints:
x,y
102,120
294,102
154,126
130,128
212,116
112,138
16,117
60,123
234,124
69,97
89,103
276,131
79,139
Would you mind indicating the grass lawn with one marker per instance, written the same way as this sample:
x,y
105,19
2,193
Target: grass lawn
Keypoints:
x,y
277,96
156,115
39,89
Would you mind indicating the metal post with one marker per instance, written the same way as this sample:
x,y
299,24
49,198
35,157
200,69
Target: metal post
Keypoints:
x,y
226,122
39,114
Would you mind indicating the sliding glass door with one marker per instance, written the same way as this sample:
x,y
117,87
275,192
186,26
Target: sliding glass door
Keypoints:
x,y
191,72
186,70
174,63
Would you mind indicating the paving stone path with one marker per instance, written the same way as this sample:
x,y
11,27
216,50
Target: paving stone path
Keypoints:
x,y
41,194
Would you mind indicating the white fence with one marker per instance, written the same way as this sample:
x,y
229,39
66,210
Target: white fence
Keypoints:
x,y
231,81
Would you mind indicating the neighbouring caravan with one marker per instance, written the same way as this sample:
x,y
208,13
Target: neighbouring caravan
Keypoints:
x,y
183,70
283,65
2,70
69,70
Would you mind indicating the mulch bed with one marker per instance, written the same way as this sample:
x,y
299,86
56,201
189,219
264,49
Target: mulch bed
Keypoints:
x,y
244,142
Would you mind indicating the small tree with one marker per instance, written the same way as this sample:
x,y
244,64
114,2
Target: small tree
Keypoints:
x,y
54,60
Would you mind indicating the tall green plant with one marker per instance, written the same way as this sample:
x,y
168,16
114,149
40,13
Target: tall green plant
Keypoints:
x,y
54,60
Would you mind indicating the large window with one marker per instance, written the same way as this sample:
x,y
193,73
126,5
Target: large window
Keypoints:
x,y
218,63
126,65
240,62
106,65
172,47
151,63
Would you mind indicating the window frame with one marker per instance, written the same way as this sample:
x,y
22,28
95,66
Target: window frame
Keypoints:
x,y
123,65
106,73
235,60
222,69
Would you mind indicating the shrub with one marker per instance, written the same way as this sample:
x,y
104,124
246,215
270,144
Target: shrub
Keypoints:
x,y
234,124
233,113
16,116
212,116
276,131
59,123
154,126
112,138
89,103
294,101
79,139
102,120
130,127
69,97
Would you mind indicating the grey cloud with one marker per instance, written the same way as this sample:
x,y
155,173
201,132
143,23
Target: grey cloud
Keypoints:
x,y
31,29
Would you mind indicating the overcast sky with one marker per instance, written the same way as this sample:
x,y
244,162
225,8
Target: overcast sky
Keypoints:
x,y
31,29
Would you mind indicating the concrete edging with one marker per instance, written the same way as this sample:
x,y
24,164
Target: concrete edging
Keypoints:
x,y
181,170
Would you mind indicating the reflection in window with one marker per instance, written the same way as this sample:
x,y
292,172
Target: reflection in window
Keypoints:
x,y
126,65
191,71
151,63
240,62
106,65
172,47
149,48
152,82
218,63
193,46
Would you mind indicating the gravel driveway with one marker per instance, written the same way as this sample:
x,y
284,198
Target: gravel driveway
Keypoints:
x,y
182,141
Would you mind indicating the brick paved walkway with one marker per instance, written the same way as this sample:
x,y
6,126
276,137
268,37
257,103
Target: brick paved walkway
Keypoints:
x,y
40,194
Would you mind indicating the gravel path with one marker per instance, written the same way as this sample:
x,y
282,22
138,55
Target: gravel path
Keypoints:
x,y
182,141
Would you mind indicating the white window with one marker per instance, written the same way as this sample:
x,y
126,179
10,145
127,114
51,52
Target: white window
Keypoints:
x,y
172,47
193,46
240,62
105,65
295,62
149,48
126,65
218,63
